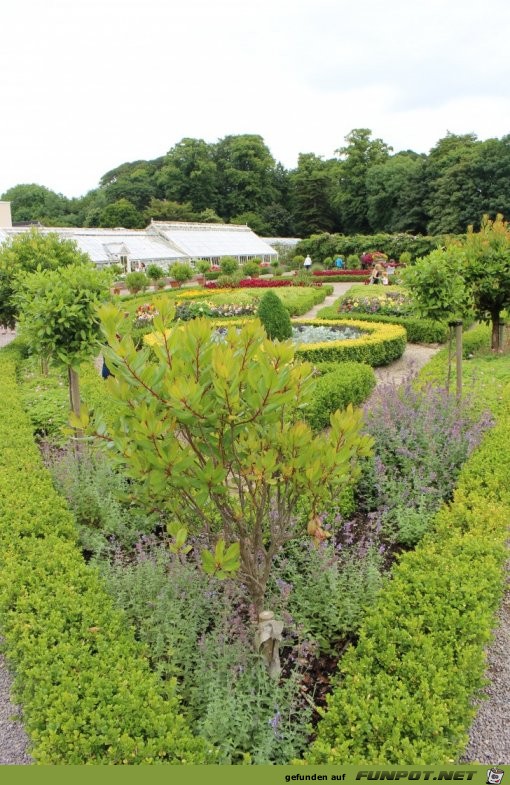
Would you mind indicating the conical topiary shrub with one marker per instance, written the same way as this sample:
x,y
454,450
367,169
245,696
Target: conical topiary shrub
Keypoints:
x,y
275,317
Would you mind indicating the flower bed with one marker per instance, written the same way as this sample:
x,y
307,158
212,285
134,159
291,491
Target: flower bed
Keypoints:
x,y
269,283
341,273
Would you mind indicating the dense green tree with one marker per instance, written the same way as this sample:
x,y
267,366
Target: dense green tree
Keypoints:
x,y
447,190
165,210
357,157
395,195
189,174
246,174
33,202
26,253
253,220
312,188
121,214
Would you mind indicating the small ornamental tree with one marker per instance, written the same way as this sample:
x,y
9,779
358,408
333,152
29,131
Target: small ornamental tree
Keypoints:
x,y
212,431
438,285
58,317
181,272
155,272
136,281
25,253
275,317
487,271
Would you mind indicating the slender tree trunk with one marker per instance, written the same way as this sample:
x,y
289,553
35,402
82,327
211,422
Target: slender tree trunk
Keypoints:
x,y
74,391
495,332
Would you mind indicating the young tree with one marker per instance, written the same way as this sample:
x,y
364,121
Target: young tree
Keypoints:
x,y
438,284
58,317
25,253
487,271
212,429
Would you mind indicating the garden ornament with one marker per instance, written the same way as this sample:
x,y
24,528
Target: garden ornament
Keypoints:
x,y
267,639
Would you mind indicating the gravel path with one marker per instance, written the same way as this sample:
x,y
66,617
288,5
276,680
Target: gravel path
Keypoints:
x,y
489,738
13,739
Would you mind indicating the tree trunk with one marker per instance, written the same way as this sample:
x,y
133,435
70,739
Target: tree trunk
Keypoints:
x,y
495,332
74,391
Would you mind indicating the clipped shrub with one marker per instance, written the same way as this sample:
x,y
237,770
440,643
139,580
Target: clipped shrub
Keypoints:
x,y
136,282
275,317
87,693
229,265
353,262
338,385
202,266
328,262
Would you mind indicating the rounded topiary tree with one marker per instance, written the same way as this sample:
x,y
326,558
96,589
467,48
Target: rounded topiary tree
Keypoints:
x,y
275,317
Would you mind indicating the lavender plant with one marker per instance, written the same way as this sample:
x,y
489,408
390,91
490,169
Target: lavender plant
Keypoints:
x,y
422,438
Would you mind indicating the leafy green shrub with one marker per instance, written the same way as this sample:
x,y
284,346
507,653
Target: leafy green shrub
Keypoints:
x,y
339,385
251,269
341,278
87,693
352,262
136,282
181,271
405,257
229,281
275,317
229,265
154,271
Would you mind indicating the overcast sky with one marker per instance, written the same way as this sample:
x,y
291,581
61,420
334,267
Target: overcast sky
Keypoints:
x,y
86,85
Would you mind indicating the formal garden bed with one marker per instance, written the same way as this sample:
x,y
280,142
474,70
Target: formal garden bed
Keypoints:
x,y
390,305
196,632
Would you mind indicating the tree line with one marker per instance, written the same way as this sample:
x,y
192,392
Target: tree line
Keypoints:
x,y
364,189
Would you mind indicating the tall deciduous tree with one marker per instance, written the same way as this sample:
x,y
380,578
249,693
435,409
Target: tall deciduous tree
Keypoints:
x,y
189,174
246,174
311,195
395,194
358,156
217,440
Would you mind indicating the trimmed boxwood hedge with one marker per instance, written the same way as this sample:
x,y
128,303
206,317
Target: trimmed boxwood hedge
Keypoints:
x,y
405,693
339,385
85,685
382,343
418,330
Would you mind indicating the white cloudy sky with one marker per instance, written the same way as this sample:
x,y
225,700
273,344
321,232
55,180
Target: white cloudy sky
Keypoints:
x,y
88,84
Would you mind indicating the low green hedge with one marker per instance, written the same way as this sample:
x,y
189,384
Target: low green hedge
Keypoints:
x,y
86,689
342,278
382,344
418,330
405,693
339,385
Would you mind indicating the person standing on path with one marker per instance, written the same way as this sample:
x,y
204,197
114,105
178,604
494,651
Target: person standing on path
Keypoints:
x,y
307,263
